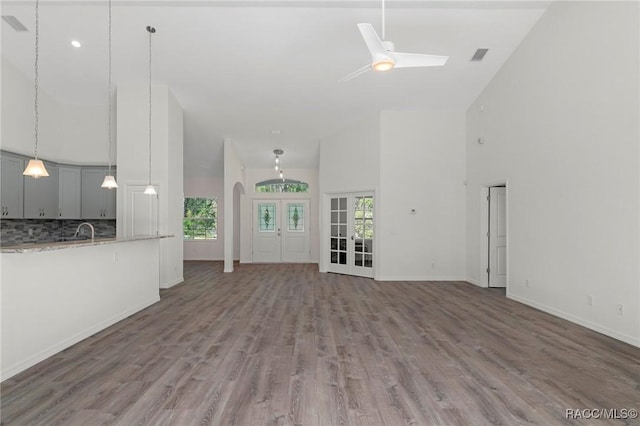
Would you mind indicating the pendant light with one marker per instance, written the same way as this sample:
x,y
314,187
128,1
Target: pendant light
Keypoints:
x,y
150,189
109,180
35,168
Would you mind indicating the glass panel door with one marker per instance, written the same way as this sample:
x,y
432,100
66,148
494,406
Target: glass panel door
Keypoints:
x,y
351,233
363,231
295,231
339,234
266,231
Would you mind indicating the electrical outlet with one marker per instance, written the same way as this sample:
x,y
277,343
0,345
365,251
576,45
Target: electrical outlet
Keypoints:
x,y
589,300
620,309
526,283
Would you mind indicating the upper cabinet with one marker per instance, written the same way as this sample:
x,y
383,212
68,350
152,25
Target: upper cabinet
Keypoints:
x,y
69,192
97,202
41,195
12,186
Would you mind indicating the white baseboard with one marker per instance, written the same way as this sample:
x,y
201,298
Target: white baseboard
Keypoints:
x,y
52,350
635,341
475,282
418,278
165,286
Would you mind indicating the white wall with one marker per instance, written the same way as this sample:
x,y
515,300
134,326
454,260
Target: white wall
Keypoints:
x,y
212,187
349,162
253,176
422,167
172,205
561,124
66,133
233,174
70,294
166,165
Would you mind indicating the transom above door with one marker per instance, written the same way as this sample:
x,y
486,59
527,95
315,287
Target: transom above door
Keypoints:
x,y
351,234
280,231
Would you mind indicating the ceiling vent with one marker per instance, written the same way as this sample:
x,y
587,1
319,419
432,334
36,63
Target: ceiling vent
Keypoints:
x,y
15,24
477,57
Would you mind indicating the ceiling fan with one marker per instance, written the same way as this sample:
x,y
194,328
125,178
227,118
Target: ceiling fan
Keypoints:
x,y
384,57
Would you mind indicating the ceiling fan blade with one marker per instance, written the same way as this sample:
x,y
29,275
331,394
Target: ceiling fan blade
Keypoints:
x,y
374,44
407,60
355,73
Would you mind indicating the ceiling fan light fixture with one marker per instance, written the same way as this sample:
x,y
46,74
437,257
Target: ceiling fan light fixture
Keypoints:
x,y
383,64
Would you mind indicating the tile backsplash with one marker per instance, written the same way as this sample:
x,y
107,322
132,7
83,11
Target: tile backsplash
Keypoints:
x,y
19,231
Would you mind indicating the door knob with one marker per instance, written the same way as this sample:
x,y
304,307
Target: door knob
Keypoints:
x,y
352,237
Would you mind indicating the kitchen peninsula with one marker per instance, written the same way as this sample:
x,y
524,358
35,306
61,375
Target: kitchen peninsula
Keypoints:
x,y
54,295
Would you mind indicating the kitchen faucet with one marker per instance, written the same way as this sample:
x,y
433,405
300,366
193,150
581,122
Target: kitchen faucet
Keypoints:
x,y
80,226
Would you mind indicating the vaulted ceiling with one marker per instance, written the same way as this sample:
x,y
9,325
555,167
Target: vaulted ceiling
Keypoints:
x,y
241,69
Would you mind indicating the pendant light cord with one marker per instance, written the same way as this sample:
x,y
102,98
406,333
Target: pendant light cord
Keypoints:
x,y
36,76
151,31
109,89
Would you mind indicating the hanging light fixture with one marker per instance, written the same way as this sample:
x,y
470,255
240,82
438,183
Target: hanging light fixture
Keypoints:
x,y
150,189
35,168
278,153
109,180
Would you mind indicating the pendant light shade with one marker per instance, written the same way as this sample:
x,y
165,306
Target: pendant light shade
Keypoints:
x,y
109,180
35,168
150,190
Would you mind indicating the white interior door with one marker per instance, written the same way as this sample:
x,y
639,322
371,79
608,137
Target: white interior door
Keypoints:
x,y
266,231
281,231
351,234
295,231
497,237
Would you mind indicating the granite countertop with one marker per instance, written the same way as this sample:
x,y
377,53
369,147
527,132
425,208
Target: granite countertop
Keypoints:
x,y
55,245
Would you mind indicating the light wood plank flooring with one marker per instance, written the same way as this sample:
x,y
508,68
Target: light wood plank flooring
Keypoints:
x,y
286,345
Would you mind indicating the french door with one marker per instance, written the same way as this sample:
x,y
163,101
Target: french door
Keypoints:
x,y
351,234
280,231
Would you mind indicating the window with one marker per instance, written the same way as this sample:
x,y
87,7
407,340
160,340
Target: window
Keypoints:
x,y
200,218
278,185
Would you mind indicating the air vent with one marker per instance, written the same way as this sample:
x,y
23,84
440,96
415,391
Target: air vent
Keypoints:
x,y
477,57
15,24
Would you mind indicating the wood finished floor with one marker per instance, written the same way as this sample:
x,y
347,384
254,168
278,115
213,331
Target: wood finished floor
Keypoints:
x,y
286,345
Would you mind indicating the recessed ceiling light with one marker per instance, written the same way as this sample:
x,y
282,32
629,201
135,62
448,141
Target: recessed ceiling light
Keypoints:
x,y
76,43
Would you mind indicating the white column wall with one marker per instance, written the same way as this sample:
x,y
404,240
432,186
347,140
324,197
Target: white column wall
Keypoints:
x,y
233,173
166,164
560,122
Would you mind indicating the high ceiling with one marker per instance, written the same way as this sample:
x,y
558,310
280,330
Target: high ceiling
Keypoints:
x,y
241,69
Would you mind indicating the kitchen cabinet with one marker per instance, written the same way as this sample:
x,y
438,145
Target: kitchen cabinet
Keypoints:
x,y
69,192
97,202
12,190
41,195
